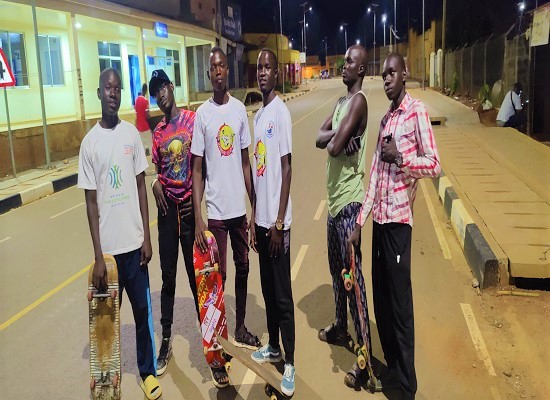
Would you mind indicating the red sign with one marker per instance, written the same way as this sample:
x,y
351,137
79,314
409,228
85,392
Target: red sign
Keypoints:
x,y
6,76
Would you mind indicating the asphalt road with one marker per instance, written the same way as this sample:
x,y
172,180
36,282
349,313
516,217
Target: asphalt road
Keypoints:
x,y
45,249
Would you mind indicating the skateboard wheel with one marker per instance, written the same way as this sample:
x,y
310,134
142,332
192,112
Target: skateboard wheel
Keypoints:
x,y
356,348
92,384
216,267
361,362
267,389
90,295
273,397
205,349
228,366
115,381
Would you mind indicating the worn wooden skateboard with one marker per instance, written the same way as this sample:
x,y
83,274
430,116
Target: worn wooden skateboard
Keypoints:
x,y
104,322
211,301
271,378
362,352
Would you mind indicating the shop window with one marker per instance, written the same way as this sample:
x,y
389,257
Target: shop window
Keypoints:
x,y
175,55
50,60
13,45
109,57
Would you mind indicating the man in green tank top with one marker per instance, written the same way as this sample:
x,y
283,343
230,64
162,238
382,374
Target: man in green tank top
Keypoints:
x,y
344,135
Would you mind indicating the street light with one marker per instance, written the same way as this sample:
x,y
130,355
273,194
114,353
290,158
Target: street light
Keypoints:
x,y
521,9
384,22
357,41
371,9
304,26
344,27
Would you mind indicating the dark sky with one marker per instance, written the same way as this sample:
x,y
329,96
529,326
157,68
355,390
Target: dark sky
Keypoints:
x,y
467,20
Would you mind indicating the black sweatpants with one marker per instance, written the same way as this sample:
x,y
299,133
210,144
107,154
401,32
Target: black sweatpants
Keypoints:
x,y
393,302
277,291
173,232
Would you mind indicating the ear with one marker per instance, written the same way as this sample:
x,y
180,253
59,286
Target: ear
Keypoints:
x,y
405,74
361,70
276,74
172,86
98,94
208,74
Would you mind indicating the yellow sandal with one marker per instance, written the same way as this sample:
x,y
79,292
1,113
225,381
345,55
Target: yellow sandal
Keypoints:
x,y
151,387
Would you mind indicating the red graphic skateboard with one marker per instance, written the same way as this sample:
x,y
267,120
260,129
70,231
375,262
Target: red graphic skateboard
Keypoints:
x,y
211,302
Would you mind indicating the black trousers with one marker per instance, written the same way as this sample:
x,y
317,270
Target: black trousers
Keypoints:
x,y
393,301
173,232
277,291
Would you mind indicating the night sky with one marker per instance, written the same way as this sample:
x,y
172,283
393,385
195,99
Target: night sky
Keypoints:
x,y
467,20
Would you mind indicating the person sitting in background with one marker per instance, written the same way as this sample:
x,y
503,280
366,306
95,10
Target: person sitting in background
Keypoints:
x,y
511,111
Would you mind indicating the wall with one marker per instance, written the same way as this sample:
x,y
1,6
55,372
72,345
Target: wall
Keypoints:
x,y
432,42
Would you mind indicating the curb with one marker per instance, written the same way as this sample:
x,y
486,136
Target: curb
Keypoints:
x,y
250,113
482,260
44,189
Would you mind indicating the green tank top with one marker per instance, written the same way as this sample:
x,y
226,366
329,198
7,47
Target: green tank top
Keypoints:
x,y
345,173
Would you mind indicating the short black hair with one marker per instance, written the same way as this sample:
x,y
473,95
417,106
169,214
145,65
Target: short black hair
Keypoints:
x,y
218,49
106,72
517,86
268,50
399,58
144,89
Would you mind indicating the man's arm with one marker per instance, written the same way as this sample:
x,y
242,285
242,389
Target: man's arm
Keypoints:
x,y
326,132
247,174
99,276
146,249
349,126
276,236
197,193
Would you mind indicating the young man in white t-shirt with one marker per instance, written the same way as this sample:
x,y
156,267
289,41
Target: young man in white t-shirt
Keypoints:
x,y
511,111
272,215
111,170
220,140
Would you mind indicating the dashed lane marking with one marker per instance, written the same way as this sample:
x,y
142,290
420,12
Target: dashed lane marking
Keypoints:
x,y
66,211
320,210
298,262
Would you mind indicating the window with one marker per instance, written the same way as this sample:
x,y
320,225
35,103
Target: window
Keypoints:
x,y
13,45
175,55
109,57
50,60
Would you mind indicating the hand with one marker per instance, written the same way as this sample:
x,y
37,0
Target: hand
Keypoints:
x,y
159,198
389,150
355,238
275,242
200,237
99,276
352,147
252,235
146,252
186,210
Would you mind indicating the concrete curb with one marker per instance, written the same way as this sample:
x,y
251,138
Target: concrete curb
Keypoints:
x,y
483,262
285,99
42,190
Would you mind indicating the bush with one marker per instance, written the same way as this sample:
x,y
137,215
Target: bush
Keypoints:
x,y
454,84
288,87
484,94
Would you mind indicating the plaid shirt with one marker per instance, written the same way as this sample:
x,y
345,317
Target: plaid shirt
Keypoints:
x,y
392,189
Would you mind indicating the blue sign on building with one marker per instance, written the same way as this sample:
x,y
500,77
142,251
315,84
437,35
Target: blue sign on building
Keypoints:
x,y
161,30
231,21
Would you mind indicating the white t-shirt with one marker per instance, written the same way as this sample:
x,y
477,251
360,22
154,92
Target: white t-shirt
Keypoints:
x,y
506,109
109,161
272,140
219,135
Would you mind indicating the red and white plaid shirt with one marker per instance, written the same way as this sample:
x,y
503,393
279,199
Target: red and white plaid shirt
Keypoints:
x,y
392,189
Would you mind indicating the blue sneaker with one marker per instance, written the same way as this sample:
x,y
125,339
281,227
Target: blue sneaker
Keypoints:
x,y
287,385
266,354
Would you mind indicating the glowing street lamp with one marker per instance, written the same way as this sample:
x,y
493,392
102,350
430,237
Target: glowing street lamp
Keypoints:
x,y
344,27
384,22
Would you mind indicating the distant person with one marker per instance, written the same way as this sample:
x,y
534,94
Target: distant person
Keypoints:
x,y
111,170
142,119
344,136
405,152
272,216
511,111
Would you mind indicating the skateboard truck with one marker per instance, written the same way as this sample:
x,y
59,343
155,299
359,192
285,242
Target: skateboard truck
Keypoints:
x,y
207,269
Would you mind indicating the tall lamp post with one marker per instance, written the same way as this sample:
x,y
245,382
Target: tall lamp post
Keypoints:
x,y
304,25
372,9
344,27
384,22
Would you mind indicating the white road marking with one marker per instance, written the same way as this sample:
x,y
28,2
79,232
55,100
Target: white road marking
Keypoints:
x,y
477,339
322,105
298,262
320,210
5,239
66,211
435,221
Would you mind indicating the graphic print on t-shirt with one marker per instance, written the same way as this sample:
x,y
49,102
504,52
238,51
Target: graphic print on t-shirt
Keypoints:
x,y
269,129
260,154
115,177
225,139
174,152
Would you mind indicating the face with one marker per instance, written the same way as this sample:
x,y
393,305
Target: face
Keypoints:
x,y
267,72
352,66
394,77
165,97
218,71
109,94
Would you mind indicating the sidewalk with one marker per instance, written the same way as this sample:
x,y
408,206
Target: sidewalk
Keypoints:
x,y
497,181
34,184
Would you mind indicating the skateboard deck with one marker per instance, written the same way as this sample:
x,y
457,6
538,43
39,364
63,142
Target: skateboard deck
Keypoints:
x,y
104,324
211,301
271,378
362,352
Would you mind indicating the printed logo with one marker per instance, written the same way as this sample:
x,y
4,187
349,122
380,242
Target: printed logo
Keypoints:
x,y
212,298
225,139
115,177
260,153
128,149
269,130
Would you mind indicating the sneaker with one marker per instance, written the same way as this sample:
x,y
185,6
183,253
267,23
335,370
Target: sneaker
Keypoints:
x,y
266,354
165,354
387,381
331,334
243,338
287,384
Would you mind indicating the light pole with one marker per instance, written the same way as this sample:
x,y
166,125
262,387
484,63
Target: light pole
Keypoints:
x,y
304,26
384,22
344,27
282,58
369,10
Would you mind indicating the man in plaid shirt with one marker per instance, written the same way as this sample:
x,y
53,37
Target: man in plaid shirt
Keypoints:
x,y
406,152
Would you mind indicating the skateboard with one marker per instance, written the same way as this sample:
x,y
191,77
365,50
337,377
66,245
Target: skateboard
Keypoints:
x,y
104,322
211,302
271,378
362,352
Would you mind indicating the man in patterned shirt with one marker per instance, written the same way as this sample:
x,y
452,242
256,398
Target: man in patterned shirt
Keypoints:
x,y
406,152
